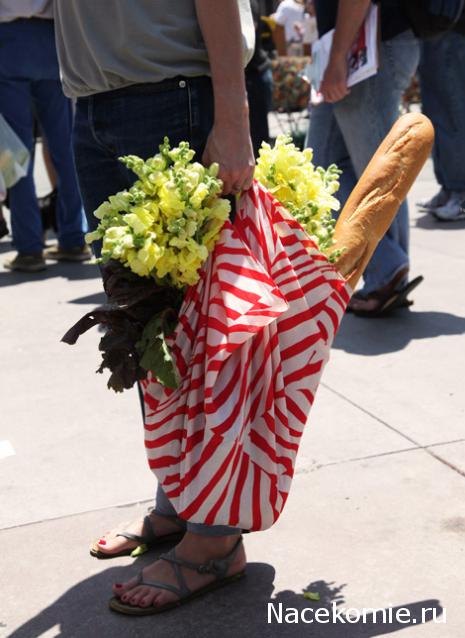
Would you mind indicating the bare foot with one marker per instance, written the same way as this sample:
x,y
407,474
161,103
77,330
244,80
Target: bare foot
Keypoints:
x,y
377,300
193,547
370,304
111,544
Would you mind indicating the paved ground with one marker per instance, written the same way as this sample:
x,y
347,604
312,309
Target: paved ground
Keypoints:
x,y
376,517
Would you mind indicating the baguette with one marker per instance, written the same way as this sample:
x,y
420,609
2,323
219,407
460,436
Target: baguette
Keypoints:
x,y
376,198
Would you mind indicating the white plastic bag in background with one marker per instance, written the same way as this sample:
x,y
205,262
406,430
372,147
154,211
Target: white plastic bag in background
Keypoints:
x,y
14,158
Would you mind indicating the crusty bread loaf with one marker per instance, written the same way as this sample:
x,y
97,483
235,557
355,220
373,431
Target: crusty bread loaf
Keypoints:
x,y
379,192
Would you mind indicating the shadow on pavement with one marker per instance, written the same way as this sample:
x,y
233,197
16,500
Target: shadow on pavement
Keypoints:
x,y
240,609
373,337
70,271
429,222
96,299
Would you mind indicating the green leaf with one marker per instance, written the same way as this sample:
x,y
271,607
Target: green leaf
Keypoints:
x,y
155,356
312,595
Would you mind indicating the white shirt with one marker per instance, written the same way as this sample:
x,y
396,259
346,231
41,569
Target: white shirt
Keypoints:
x,y
288,14
310,29
13,9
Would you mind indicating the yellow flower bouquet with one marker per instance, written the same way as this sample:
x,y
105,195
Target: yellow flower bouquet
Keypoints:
x,y
167,223
306,191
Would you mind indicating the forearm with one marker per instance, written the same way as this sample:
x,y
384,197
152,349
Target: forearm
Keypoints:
x,y
222,34
229,141
350,17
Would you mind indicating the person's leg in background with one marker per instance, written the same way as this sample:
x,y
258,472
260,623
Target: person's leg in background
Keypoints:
x,y
325,139
31,75
443,101
364,117
135,121
16,73
26,226
430,71
54,112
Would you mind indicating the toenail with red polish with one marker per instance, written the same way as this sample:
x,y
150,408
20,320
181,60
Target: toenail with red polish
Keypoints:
x,y
118,585
102,541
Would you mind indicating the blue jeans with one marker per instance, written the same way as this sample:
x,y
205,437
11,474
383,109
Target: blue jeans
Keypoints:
x,y
30,83
348,133
442,82
134,120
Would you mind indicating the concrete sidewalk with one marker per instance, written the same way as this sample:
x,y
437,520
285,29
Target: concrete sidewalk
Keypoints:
x,y
376,516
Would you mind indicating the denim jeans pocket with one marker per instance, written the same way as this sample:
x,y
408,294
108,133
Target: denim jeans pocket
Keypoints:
x,y
141,120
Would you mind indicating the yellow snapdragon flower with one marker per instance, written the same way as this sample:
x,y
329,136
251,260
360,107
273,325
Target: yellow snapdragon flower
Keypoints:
x,y
303,189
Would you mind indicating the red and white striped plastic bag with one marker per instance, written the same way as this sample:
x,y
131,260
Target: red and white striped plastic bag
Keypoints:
x,y
252,340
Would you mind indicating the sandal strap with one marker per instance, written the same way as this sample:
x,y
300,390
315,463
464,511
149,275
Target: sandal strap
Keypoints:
x,y
217,566
149,535
159,585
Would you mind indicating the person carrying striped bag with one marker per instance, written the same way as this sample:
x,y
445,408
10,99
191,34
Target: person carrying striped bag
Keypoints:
x,y
255,332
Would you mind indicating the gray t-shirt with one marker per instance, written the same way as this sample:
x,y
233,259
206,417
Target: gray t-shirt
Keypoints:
x,y
13,9
108,44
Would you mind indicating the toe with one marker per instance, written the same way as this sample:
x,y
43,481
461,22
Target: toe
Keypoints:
x,y
148,599
136,595
164,597
157,600
119,589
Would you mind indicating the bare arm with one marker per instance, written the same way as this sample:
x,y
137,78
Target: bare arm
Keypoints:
x,y
279,39
350,17
229,141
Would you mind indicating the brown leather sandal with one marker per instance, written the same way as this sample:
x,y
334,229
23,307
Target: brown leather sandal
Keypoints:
x,y
388,298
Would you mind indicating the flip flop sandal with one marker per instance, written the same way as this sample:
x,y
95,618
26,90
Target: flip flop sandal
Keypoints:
x,y
405,304
217,567
147,540
400,300
390,298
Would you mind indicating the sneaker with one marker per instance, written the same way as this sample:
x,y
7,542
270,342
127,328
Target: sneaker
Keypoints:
x,y
440,199
453,210
26,263
77,253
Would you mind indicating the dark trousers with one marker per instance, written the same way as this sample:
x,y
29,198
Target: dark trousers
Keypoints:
x,y
30,83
